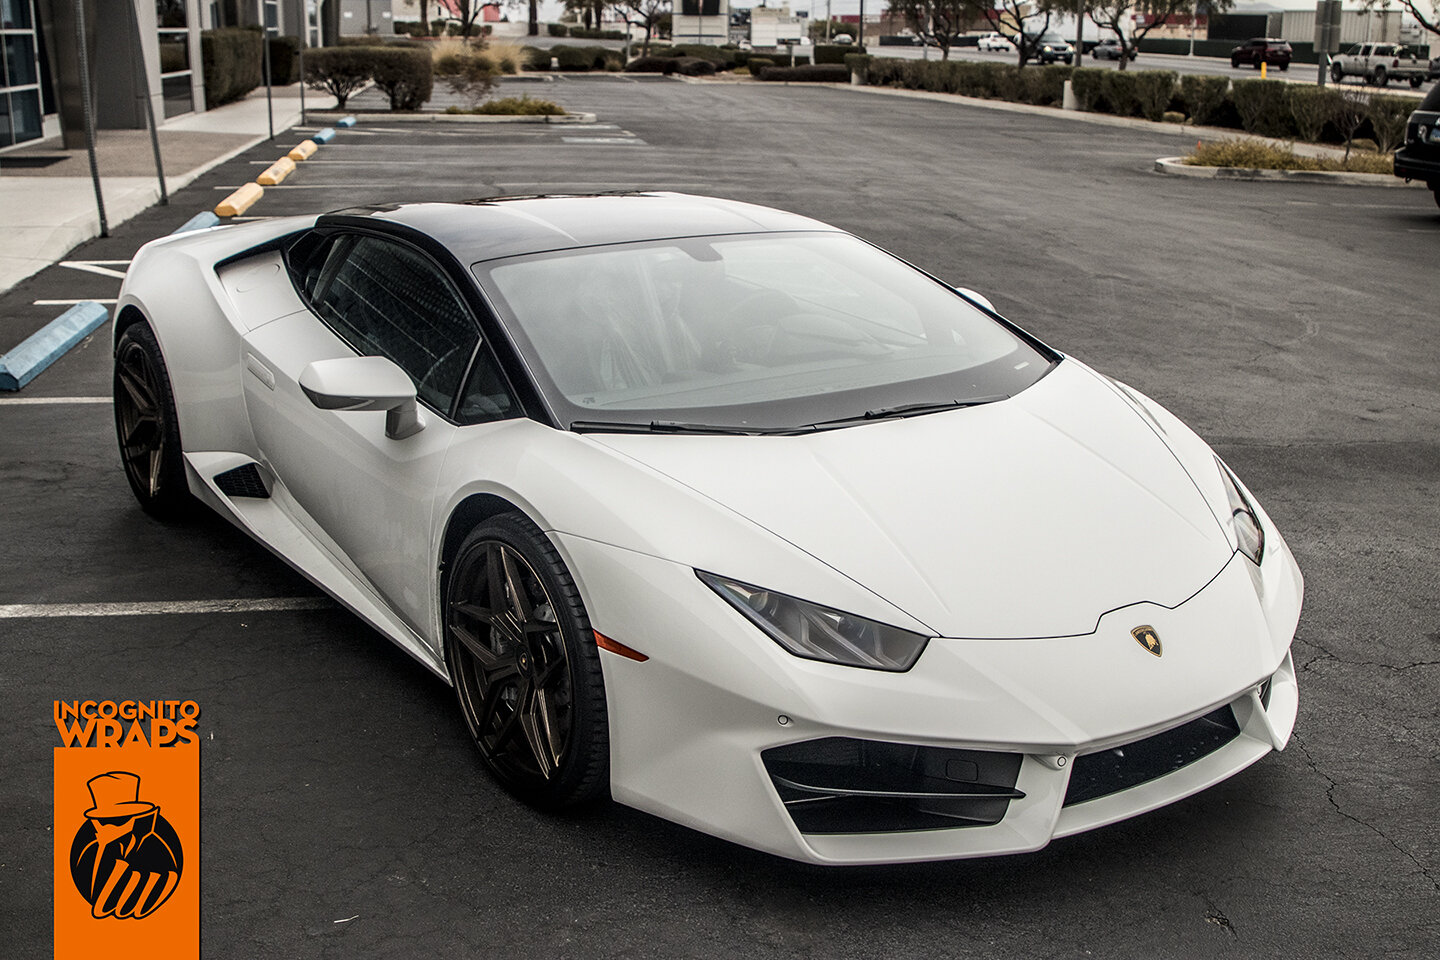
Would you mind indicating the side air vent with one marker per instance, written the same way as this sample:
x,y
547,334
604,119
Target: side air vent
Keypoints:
x,y
243,482
843,785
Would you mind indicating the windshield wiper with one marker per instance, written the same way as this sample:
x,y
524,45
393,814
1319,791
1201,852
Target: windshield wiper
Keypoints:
x,y
677,426
908,410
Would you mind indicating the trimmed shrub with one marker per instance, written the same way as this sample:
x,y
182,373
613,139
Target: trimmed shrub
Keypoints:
x,y
230,58
1088,84
467,76
810,73
1311,108
1119,90
339,71
1203,96
859,63
1388,117
533,58
757,64
1264,107
694,67
1043,86
665,65
284,60
704,52
405,76
836,52
1153,91
557,29
582,58
580,33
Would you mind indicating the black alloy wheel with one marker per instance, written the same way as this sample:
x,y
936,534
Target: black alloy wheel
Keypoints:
x,y
522,655
146,426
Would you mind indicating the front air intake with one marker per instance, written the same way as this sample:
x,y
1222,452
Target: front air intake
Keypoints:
x,y
844,785
1095,775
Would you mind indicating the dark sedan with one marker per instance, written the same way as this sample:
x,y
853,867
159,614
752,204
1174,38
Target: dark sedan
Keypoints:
x,y
1271,50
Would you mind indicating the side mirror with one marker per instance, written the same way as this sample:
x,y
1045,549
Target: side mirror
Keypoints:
x,y
365,383
982,300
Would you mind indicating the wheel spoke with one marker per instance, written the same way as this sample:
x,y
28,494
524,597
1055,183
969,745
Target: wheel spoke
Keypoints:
x,y
156,462
477,648
473,610
519,596
137,386
533,720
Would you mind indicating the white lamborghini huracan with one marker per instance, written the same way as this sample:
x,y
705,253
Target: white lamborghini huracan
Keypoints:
x,y
724,512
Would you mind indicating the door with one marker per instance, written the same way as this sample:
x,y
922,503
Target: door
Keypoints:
x,y
367,497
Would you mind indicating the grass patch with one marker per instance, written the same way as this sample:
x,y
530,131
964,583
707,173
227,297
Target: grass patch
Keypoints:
x,y
1262,156
515,107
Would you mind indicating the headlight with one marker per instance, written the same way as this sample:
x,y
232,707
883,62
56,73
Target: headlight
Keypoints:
x,y
818,633
1248,533
1046,48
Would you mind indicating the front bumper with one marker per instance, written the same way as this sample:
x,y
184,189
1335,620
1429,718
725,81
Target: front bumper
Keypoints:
x,y
691,726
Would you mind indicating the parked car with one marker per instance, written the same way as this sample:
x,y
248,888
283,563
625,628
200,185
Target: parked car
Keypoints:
x,y
1379,63
1271,50
842,38
993,42
1111,49
1419,157
1049,47
724,513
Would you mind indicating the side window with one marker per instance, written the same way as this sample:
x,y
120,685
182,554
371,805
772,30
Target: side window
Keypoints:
x,y
486,396
388,300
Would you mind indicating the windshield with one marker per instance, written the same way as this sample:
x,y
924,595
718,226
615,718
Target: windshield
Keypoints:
x,y
770,331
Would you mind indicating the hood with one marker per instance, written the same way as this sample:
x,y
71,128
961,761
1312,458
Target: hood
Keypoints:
x,y
1030,517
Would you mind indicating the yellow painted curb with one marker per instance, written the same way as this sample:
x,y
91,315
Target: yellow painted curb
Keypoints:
x,y
239,201
302,150
276,172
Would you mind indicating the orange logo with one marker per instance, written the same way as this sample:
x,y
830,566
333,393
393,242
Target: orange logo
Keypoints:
x,y
127,830
126,859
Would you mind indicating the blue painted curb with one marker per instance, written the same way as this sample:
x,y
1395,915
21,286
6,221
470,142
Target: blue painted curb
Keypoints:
x,y
49,343
324,136
200,221
345,122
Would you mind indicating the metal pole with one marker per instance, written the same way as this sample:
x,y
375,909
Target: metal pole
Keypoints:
x,y
89,113
150,112
1080,34
305,42
860,34
265,58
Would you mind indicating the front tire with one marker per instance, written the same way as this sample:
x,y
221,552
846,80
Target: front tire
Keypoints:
x,y
1381,77
146,426
1336,73
521,652
1234,63
1415,83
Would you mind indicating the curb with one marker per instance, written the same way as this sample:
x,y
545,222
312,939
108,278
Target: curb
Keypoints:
x,y
571,118
49,343
1176,167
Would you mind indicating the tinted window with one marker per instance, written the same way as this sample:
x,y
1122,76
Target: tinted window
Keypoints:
x,y
388,300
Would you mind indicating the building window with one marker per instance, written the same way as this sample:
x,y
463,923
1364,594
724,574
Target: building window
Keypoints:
x,y
20,116
175,70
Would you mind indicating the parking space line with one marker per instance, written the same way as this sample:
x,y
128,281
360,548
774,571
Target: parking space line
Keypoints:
x,y
100,267
17,611
33,401
70,303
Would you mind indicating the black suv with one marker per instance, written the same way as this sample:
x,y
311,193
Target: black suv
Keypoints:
x,y
1419,158
1271,50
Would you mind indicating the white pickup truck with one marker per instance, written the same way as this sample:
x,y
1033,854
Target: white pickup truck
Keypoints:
x,y
1379,63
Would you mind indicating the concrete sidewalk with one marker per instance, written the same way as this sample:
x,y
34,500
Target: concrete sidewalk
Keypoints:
x,y
47,200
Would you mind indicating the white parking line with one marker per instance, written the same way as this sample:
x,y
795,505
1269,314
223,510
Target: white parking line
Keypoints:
x,y
15,611
102,267
68,303
33,401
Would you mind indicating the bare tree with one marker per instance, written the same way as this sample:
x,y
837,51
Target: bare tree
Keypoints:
x,y
1112,15
942,18
1426,12
465,11
1025,21
645,14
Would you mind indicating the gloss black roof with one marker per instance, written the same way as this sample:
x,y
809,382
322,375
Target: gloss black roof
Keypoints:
x,y
477,230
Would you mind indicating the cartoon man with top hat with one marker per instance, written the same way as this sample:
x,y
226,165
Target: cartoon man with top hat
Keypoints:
x,y
126,859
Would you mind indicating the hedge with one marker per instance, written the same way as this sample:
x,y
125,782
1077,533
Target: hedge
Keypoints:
x,y
685,66
584,58
1270,108
836,52
811,73
284,60
230,58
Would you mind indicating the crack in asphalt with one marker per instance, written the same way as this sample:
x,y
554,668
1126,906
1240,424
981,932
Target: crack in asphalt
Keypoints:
x,y
1332,785
1215,916
1327,655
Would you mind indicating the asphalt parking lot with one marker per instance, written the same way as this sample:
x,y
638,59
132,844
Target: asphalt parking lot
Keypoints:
x,y
1293,326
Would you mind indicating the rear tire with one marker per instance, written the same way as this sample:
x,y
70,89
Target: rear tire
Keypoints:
x,y
146,426
1437,196
1381,77
1336,73
1415,83
1234,63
